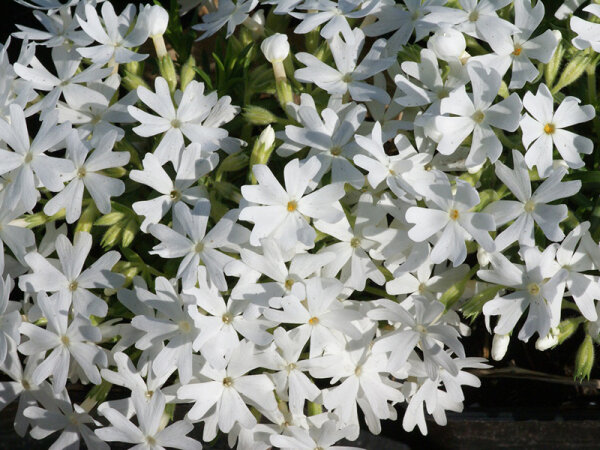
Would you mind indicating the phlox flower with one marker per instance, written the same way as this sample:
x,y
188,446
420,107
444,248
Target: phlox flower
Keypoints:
x,y
184,118
477,115
423,329
69,279
543,129
228,13
586,31
323,434
195,245
114,34
518,50
10,318
538,285
281,213
87,175
349,75
329,139
148,434
530,208
65,340
27,161
451,214
192,165
223,395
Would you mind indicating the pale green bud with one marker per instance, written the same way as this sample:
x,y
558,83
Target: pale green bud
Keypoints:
x,y
572,71
552,67
567,328
187,73
129,231
584,359
263,147
255,115
167,70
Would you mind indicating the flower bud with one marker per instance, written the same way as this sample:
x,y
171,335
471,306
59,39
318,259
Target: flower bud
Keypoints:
x,y
447,43
276,47
500,346
263,147
157,19
584,360
255,115
548,341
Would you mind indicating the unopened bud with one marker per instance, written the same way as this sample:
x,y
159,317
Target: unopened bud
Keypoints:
x,y
447,43
167,70
275,48
255,115
263,147
548,341
584,359
157,19
500,346
187,73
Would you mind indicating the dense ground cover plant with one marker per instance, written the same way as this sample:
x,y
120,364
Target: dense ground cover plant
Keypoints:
x,y
275,220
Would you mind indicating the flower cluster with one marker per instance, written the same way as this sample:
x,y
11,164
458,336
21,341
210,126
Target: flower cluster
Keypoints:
x,y
282,274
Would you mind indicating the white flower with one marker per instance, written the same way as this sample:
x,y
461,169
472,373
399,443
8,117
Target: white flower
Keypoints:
x,y
28,157
10,319
575,258
228,13
329,139
518,49
280,277
530,208
539,285
543,129
173,324
419,328
349,75
322,435
399,171
195,245
61,27
87,175
451,214
476,18
220,323
93,109
148,433
192,166
226,393
71,281
17,238
351,252
276,47
184,118
478,116
115,34
333,14
284,211
67,73
65,340
587,31
364,383
322,318
71,420
291,383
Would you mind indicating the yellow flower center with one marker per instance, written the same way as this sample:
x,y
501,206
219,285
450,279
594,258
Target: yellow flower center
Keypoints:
x,y
533,289
185,326
28,157
474,16
227,382
175,195
199,247
478,116
73,285
517,51
175,123
549,128
355,242
313,320
81,172
227,318
65,340
289,283
292,205
454,214
336,151
529,206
